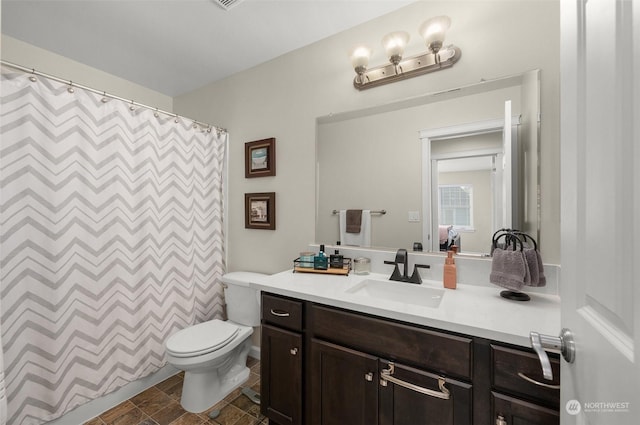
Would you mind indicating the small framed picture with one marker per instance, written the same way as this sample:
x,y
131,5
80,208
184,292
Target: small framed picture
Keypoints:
x,y
260,210
260,158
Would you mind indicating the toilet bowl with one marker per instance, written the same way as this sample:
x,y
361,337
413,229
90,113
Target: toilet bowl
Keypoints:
x,y
213,354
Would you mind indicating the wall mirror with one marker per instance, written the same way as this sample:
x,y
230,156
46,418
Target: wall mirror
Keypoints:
x,y
387,157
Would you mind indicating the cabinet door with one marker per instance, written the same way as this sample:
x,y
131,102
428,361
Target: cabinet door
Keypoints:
x,y
281,375
404,404
344,385
512,411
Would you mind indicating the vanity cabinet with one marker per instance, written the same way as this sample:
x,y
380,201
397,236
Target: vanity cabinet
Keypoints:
x,y
353,368
281,360
368,370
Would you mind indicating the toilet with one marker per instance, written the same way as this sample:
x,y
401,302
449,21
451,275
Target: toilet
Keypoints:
x,y
213,354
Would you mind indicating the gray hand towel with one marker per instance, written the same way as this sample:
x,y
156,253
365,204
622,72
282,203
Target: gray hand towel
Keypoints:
x,y
531,257
508,269
354,221
536,258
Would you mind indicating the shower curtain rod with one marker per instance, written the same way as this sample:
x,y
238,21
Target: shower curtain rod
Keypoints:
x,y
105,94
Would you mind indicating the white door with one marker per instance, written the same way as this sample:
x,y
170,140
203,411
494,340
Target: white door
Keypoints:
x,y
600,147
507,165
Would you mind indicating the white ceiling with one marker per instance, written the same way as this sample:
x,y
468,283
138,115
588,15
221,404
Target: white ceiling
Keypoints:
x,y
176,46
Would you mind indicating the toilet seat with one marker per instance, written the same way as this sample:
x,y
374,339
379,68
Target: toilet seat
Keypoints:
x,y
202,338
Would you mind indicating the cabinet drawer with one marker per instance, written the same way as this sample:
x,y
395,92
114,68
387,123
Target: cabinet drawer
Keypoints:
x,y
435,351
282,312
512,410
508,363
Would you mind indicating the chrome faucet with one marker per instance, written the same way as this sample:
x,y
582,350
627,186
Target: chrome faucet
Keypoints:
x,y
403,258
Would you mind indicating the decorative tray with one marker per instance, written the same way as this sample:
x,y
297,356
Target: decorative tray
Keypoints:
x,y
307,267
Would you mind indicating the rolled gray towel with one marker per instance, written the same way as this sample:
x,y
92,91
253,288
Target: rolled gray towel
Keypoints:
x,y
531,257
542,280
509,269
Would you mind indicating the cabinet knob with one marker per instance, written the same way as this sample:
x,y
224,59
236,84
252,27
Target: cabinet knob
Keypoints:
x,y
368,377
294,351
500,420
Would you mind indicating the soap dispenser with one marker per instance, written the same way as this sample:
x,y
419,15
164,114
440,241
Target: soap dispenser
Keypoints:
x,y
320,261
449,278
336,260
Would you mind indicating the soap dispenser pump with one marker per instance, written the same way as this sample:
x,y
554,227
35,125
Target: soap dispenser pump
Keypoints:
x,y
449,278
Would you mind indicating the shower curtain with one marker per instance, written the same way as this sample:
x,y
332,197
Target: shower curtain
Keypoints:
x,y
111,239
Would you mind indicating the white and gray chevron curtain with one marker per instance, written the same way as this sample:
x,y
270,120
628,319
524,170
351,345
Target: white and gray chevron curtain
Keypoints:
x,y
111,239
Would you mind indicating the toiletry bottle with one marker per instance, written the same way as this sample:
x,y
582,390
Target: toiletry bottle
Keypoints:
x,y
449,277
320,261
336,260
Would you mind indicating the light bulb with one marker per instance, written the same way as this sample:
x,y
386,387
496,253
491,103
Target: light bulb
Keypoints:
x,y
394,44
360,57
433,32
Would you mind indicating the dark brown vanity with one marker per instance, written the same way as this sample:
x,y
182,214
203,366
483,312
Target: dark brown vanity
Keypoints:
x,y
326,365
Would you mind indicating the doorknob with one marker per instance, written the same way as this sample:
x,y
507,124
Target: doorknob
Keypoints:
x,y
562,344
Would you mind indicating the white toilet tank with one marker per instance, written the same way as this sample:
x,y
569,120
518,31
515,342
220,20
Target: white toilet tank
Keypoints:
x,y
243,302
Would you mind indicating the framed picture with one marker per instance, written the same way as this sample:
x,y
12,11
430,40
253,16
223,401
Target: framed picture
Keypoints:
x,y
260,158
260,210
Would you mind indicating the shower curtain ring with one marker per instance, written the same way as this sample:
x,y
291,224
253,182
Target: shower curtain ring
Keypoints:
x,y
132,108
33,78
71,89
156,114
104,97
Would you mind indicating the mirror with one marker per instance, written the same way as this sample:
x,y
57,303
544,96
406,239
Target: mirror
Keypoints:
x,y
374,159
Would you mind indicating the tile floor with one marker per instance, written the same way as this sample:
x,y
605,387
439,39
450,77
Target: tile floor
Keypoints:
x,y
160,405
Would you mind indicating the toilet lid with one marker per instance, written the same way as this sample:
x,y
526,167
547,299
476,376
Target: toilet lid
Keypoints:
x,y
202,338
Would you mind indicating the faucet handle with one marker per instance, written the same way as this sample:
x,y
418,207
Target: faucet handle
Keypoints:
x,y
415,277
396,275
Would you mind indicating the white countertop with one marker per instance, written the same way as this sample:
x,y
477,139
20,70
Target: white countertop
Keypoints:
x,y
469,309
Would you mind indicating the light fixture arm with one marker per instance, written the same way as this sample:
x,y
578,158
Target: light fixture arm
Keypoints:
x,y
408,68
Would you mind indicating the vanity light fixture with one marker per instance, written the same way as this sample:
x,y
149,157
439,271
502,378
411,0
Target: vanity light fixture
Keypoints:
x,y
438,56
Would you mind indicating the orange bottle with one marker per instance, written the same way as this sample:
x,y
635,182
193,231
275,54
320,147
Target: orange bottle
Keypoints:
x,y
450,277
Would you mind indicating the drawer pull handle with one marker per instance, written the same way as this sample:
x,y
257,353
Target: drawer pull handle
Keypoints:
x,y
386,375
368,377
280,313
500,420
294,351
541,384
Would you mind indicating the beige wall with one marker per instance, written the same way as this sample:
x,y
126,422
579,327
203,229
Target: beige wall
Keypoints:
x,y
282,99
27,55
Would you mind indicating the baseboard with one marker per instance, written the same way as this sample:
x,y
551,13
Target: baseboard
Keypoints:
x,y
255,352
90,410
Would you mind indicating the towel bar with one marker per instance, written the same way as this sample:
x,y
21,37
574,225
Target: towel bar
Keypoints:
x,y
381,212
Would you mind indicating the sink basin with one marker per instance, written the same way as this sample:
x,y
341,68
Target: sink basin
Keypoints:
x,y
401,292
